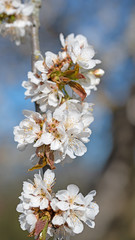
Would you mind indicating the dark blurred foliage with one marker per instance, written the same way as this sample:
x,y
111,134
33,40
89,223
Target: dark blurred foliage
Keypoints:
x,y
108,165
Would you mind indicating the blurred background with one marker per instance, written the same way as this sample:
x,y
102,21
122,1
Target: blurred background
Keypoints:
x,y
108,165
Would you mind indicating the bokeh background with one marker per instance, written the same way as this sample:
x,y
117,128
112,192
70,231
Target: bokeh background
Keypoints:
x,y
108,165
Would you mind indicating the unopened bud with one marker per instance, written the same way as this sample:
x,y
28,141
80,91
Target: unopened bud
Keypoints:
x,y
98,72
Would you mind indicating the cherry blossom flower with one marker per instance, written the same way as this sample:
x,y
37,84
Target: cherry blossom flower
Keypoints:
x,y
72,208
65,131
76,118
62,214
44,93
71,67
15,18
35,195
28,130
91,80
79,50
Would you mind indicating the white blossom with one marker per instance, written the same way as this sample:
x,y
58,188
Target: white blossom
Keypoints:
x,y
15,18
79,50
65,211
74,209
91,209
65,131
44,93
76,118
73,67
35,194
28,129
91,80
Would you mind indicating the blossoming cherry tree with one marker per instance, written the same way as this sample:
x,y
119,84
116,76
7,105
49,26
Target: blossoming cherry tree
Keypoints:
x,y
58,84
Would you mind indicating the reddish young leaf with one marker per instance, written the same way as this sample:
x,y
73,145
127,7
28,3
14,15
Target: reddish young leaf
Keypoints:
x,y
77,88
40,226
68,73
65,80
50,157
80,76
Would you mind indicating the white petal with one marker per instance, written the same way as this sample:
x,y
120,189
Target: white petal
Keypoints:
x,y
46,138
40,67
49,177
44,203
80,199
38,143
54,204
82,40
72,189
90,223
53,99
75,224
92,210
63,205
43,107
21,146
35,201
20,208
62,195
28,8
65,67
31,219
50,231
55,145
69,152
62,40
28,187
87,119
89,197
78,147
76,48
49,116
50,58
58,220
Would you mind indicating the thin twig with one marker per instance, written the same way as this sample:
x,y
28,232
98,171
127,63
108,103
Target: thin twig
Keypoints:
x,y
35,38
36,46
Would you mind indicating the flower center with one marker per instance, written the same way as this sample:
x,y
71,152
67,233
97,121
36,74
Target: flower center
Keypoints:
x,y
52,127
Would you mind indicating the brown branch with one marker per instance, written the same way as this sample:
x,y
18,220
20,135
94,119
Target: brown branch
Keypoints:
x,y
36,46
35,38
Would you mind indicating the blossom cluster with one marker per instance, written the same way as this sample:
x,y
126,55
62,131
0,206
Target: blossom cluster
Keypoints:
x,y
59,85
72,67
64,131
15,18
60,215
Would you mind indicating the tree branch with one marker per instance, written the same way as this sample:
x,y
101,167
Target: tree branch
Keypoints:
x,y
35,37
36,45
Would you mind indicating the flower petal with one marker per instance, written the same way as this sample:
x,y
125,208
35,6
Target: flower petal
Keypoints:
x,y
58,220
63,205
44,204
72,189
